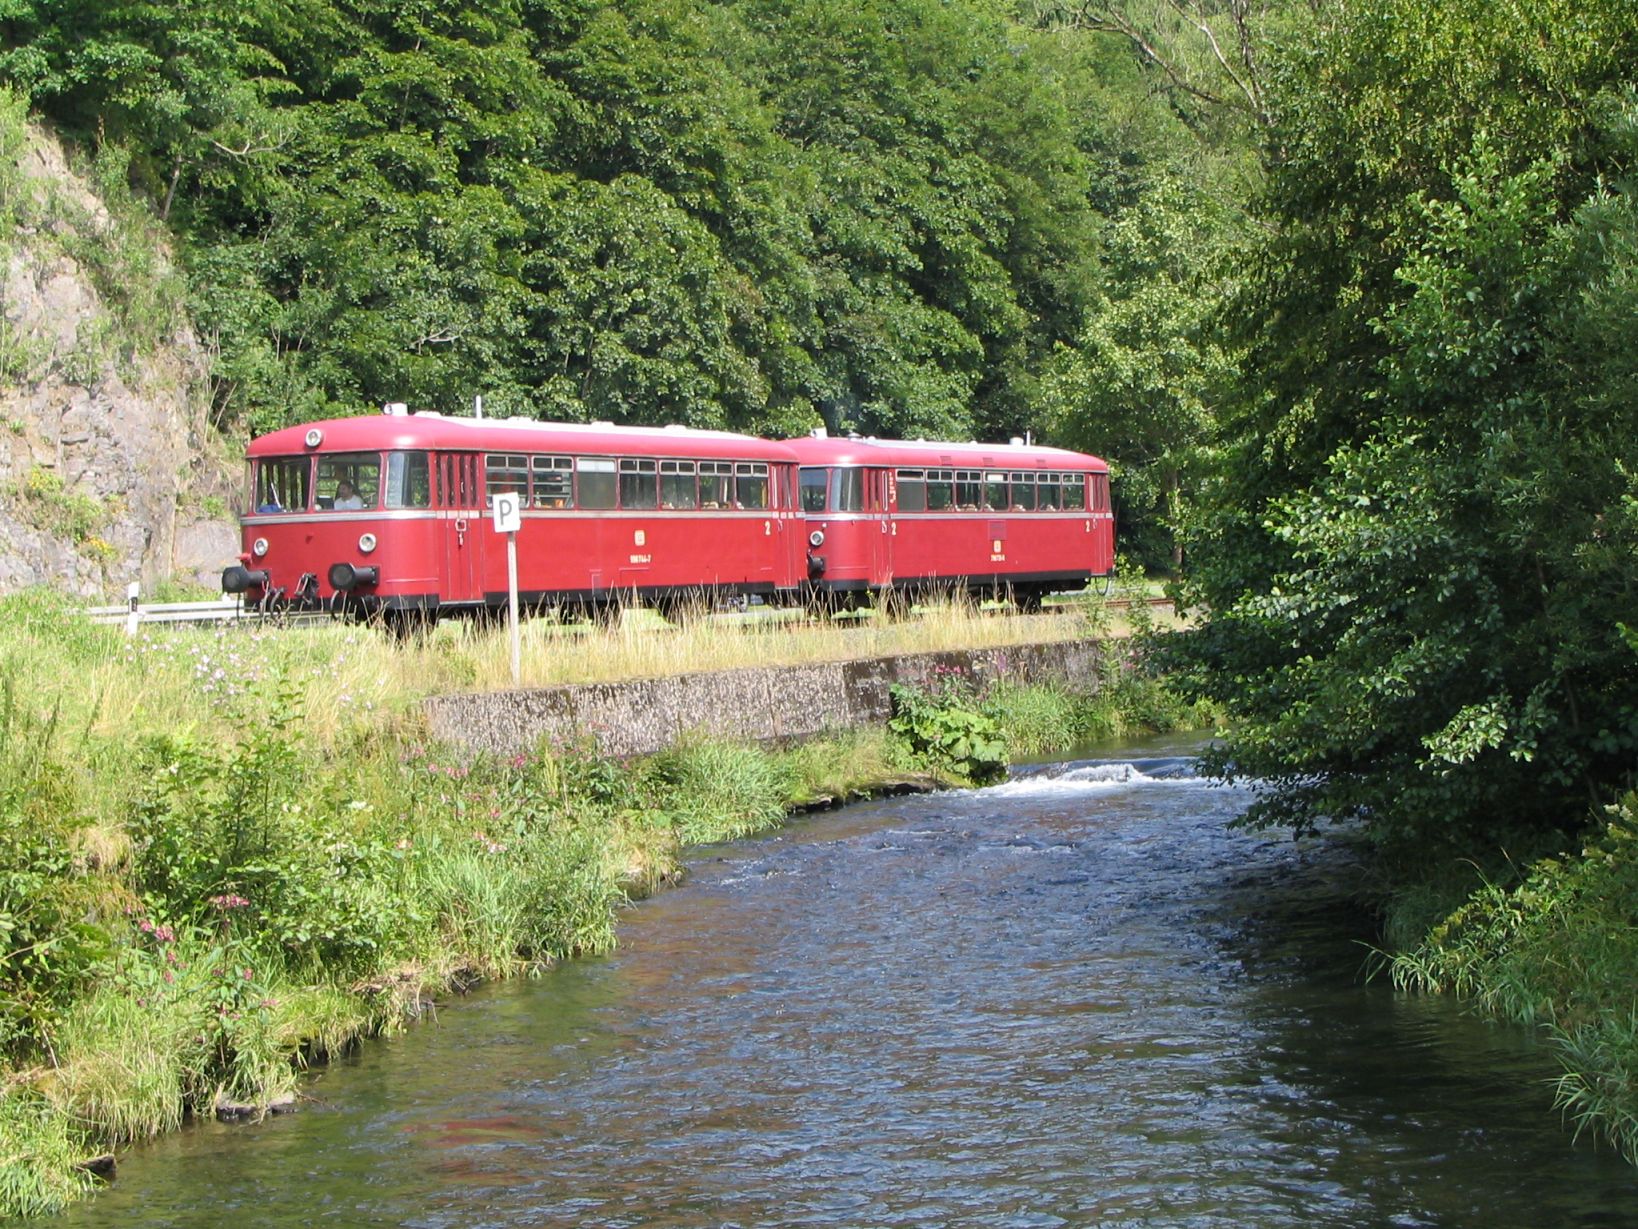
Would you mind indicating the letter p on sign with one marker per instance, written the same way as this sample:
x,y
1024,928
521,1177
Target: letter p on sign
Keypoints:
x,y
508,513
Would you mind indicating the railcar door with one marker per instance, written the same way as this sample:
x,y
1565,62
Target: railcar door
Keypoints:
x,y
461,501
880,498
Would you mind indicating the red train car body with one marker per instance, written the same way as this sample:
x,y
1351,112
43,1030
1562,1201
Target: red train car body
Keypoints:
x,y
889,516
391,514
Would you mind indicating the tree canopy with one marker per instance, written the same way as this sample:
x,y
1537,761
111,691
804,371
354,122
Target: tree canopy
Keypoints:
x,y
763,213
1420,550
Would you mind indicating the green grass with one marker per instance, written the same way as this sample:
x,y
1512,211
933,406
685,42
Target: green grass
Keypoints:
x,y
227,854
1556,945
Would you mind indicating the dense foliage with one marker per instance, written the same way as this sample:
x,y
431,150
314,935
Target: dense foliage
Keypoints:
x,y
767,213
1421,550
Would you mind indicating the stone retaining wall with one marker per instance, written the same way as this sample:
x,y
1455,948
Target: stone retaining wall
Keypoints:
x,y
760,704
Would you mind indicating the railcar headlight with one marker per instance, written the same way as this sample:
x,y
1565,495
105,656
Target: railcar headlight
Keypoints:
x,y
816,538
366,542
313,437
259,547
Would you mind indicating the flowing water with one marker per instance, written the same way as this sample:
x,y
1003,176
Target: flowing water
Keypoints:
x,y
1073,999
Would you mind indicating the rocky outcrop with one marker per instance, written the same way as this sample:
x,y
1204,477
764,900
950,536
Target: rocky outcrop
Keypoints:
x,y
107,472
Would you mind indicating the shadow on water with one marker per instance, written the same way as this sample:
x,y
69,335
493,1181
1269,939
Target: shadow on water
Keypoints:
x,y
1076,998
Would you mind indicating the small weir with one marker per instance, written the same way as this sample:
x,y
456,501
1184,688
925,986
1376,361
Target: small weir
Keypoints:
x,y
1076,998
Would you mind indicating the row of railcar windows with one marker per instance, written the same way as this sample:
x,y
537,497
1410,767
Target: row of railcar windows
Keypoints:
x,y
633,483
968,490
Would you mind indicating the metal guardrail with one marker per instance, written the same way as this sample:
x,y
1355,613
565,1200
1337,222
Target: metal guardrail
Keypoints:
x,y
226,609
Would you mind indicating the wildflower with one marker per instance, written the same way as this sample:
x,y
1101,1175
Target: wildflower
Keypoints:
x,y
229,900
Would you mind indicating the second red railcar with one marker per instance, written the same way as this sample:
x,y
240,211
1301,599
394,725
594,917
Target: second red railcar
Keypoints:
x,y
909,517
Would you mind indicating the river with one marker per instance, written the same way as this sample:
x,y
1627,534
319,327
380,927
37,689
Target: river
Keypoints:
x,y
1077,998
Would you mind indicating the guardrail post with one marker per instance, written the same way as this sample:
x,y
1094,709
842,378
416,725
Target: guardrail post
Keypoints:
x,y
133,616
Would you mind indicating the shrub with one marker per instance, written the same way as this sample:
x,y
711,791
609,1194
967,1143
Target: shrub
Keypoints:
x,y
942,730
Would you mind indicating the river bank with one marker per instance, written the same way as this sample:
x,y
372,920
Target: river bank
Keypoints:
x,y
223,858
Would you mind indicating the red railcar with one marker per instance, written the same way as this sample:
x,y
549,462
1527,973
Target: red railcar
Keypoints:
x,y
888,516
391,514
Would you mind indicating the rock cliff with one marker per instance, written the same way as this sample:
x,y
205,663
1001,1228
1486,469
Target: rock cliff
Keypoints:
x,y
109,472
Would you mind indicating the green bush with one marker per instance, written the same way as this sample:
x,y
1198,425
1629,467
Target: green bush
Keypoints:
x,y
942,730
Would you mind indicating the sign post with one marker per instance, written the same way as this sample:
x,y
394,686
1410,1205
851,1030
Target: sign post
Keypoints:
x,y
508,520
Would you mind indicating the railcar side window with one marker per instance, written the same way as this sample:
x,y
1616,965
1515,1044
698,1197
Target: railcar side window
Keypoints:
x,y
639,485
554,482
969,489
716,484
505,474
348,481
751,485
813,489
678,488
995,492
409,480
847,490
1022,484
912,490
281,484
1074,492
595,481
940,490
1051,490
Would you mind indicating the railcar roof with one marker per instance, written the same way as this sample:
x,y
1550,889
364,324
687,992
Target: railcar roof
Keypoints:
x,y
869,451
371,432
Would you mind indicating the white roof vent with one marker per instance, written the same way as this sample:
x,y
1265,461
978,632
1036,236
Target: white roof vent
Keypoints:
x,y
395,409
819,433
1016,441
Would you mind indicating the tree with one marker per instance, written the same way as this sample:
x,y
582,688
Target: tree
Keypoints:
x,y
1419,552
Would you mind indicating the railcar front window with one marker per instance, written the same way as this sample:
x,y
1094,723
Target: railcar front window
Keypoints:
x,y
349,481
847,490
751,485
409,480
554,482
281,484
813,489
678,488
596,483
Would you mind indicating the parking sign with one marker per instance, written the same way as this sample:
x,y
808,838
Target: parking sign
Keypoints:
x,y
508,513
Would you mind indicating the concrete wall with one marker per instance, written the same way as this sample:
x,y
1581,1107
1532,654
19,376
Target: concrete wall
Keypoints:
x,y
760,704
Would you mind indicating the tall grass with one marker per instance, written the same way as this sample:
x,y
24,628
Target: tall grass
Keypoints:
x,y
226,853
1557,948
